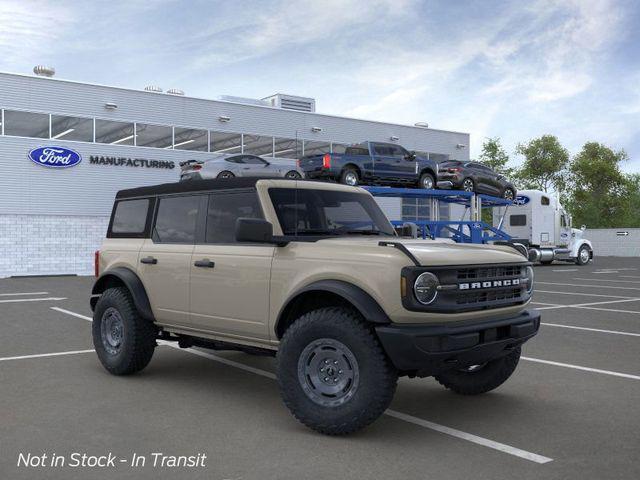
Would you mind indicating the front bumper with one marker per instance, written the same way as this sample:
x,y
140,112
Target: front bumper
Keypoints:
x,y
426,350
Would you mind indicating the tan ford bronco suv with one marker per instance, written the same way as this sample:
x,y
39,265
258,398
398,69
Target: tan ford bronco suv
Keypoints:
x,y
315,275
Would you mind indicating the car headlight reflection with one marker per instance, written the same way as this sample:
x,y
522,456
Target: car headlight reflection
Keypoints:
x,y
425,288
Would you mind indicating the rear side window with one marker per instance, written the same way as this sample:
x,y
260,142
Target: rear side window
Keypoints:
x,y
130,217
357,151
224,209
518,220
176,219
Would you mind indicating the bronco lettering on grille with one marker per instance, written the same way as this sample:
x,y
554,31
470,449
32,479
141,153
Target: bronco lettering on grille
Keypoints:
x,y
492,284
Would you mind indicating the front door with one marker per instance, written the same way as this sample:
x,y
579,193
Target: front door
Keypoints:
x,y
229,280
165,259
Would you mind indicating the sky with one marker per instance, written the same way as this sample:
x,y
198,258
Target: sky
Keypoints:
x,y
514,70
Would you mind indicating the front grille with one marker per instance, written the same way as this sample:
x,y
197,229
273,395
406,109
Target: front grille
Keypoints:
x,y
486,273
488,297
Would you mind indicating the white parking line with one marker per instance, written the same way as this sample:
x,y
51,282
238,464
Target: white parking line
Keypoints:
x,y
611,310
629,276
607,280
587,286
27,293
580,294
47,299
41,355
533,457
579,367
615,332
566,270
588,305
73,314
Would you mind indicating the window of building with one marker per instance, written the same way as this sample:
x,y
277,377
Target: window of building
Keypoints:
x,y
287,148
190,139
130,216
222,142
26,124
114,133
176,219
416,209
316,148
517,220
257,145
72,128
157,136
224,210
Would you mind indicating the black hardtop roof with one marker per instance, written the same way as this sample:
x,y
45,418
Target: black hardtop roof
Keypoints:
x,y
191,186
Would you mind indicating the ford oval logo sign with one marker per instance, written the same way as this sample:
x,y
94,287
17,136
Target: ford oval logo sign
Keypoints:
x,y
521,200
55,157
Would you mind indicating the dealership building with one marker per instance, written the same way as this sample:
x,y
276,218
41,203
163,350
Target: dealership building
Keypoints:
x,y
53,219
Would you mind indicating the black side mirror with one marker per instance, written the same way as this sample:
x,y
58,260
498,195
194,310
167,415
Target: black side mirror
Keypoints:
x,y
410,156
254,230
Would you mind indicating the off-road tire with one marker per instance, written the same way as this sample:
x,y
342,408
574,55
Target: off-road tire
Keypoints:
x,y
424,177
579,260
377,376
344,176
489,377
138,334
225,174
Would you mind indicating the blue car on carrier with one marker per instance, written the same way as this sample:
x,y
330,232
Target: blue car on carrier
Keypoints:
x,y
372,163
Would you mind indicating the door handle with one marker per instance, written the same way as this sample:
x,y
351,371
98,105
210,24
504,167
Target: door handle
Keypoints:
x,y
204,263
149,260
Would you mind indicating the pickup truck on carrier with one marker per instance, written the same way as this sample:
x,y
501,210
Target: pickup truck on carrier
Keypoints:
x,y
372,163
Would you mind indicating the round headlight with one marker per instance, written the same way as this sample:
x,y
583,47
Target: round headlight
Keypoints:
x,y
529,274
426,288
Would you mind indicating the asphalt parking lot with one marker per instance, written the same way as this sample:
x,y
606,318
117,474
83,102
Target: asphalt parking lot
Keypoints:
x,y
571,410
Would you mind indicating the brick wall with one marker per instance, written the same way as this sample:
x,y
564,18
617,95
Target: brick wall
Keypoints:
x,y
49,244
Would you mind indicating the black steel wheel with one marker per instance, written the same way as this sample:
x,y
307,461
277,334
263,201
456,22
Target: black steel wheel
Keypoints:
x,y
332,372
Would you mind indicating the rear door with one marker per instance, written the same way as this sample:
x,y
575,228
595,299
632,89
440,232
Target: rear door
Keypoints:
x,y
230,280
164,263
383,161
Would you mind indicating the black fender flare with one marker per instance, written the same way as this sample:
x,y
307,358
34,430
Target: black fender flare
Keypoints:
x,y
133,284
361,300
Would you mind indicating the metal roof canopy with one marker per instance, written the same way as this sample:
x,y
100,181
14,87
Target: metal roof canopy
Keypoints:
x,y
450,196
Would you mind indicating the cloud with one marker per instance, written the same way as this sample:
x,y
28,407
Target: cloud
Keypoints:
x,y
30,29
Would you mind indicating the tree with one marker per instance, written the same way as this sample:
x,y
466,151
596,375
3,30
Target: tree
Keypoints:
x,y
494,156
599,193
545,164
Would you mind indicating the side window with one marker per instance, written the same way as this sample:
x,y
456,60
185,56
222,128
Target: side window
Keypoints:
x,y
130,216
176,219
518,220
224,209
397,151
544,201
381,149
238,159
253,160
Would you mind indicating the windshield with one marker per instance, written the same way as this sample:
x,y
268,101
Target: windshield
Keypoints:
x,y
328,212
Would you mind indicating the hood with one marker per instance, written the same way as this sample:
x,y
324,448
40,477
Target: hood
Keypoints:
x,y
442,251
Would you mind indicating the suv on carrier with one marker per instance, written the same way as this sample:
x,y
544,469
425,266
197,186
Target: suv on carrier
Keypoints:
x,y
313,274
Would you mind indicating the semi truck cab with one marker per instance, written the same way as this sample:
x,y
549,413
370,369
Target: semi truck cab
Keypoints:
x,y
538,220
